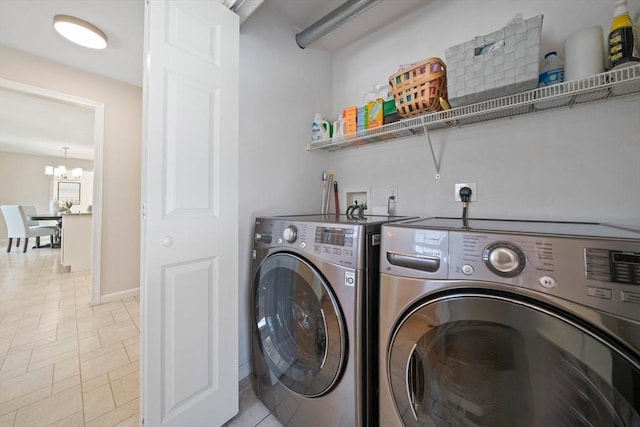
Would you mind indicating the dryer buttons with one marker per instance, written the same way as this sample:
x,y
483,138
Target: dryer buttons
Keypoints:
x,y
547,282
467,270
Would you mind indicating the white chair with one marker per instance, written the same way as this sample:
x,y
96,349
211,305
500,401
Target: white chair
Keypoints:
x,y
18,226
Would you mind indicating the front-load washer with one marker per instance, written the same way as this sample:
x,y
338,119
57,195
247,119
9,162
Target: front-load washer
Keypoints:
x,y
509,323
313,277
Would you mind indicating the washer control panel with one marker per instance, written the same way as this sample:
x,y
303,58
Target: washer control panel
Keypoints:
x,y
335,243
599,273
613,266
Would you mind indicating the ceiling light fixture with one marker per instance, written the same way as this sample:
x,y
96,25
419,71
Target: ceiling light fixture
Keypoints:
x,y
62,172
79,31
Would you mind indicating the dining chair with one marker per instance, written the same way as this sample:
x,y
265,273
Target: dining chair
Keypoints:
x,y
18,226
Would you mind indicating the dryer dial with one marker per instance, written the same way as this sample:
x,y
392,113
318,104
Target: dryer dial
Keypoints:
x,y
290,234
505,259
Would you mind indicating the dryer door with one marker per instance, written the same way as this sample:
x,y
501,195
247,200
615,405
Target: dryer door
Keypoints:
x,y
300,326
494,360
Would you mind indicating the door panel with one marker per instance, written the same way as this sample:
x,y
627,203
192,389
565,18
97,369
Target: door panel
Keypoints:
x,y
189,278
190,292
300,325
192,148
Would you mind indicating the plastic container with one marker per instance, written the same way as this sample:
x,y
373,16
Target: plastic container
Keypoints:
x,y
338,127
623,38
320,129
552,70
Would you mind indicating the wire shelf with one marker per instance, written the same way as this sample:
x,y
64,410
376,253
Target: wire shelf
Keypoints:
x,y
618,82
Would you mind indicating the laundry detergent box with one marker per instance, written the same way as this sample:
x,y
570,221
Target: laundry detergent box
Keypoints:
x,y
375,113
362,118
350,115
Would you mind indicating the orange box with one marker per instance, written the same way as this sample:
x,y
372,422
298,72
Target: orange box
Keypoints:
x,y
350,115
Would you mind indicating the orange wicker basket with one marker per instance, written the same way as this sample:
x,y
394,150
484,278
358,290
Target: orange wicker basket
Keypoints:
x,y
417,90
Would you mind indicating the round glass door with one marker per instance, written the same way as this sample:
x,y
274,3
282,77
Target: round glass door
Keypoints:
x,y
471,360
300,326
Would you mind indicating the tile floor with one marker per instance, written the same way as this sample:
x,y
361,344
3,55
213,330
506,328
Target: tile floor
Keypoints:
x,y
65,363
253,413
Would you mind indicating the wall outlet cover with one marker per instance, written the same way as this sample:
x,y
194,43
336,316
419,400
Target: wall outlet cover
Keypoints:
x,y
474,191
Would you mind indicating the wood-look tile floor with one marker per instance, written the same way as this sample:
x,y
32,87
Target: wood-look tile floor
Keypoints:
x,y
66,363
62,361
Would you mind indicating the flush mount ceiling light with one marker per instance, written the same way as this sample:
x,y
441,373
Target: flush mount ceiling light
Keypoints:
x,y
80,31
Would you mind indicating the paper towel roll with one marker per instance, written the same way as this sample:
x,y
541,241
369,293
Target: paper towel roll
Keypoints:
x,y
584,53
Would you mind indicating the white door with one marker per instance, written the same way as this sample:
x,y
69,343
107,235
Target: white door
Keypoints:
x,y
189,292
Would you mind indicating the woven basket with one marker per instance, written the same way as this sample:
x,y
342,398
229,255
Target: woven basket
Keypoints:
x,y
417,90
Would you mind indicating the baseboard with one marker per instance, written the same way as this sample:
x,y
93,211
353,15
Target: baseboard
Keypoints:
x,y
244,370
114,296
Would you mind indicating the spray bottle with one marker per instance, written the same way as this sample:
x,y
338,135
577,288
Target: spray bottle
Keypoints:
x,y
623,38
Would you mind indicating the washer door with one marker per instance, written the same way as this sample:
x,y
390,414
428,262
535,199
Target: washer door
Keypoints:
x,y
491,360
300,325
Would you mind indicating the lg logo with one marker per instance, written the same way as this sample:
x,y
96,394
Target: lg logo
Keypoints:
x,y
349,278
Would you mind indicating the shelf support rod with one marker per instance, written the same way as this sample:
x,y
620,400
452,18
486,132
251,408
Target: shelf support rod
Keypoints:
x,y
433,154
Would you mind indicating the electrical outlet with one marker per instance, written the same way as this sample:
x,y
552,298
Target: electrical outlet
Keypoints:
x,y
474,190
393,192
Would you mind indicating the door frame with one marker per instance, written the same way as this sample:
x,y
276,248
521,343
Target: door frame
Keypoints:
x,y
98,150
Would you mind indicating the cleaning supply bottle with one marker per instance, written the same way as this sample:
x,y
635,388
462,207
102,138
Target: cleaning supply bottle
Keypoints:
x,y
623,38
320,129
552,71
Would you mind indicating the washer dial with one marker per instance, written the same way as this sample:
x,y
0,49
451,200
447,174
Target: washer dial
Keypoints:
x,y
290,233
505,259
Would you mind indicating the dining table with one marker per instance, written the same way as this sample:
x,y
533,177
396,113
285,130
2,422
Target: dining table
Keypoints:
x,y
50,217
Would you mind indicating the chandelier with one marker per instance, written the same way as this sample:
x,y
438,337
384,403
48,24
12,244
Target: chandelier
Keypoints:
x,y
62,172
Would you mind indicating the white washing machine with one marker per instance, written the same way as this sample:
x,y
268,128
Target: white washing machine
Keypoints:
x,y
509,323
313,347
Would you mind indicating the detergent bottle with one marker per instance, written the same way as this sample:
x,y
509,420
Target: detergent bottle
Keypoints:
x,y
623,38
320,129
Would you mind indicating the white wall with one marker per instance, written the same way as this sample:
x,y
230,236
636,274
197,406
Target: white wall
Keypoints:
x,y
580,163
23,182
281,87
121,158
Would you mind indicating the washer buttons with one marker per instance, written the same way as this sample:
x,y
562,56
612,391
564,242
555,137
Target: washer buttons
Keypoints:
x,y
467,269
303,245
547,282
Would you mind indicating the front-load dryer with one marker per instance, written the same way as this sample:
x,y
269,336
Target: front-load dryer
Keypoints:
x,y
509,323
314,287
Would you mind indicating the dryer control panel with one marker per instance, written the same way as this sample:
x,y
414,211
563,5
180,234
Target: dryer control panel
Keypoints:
x,y
340,244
